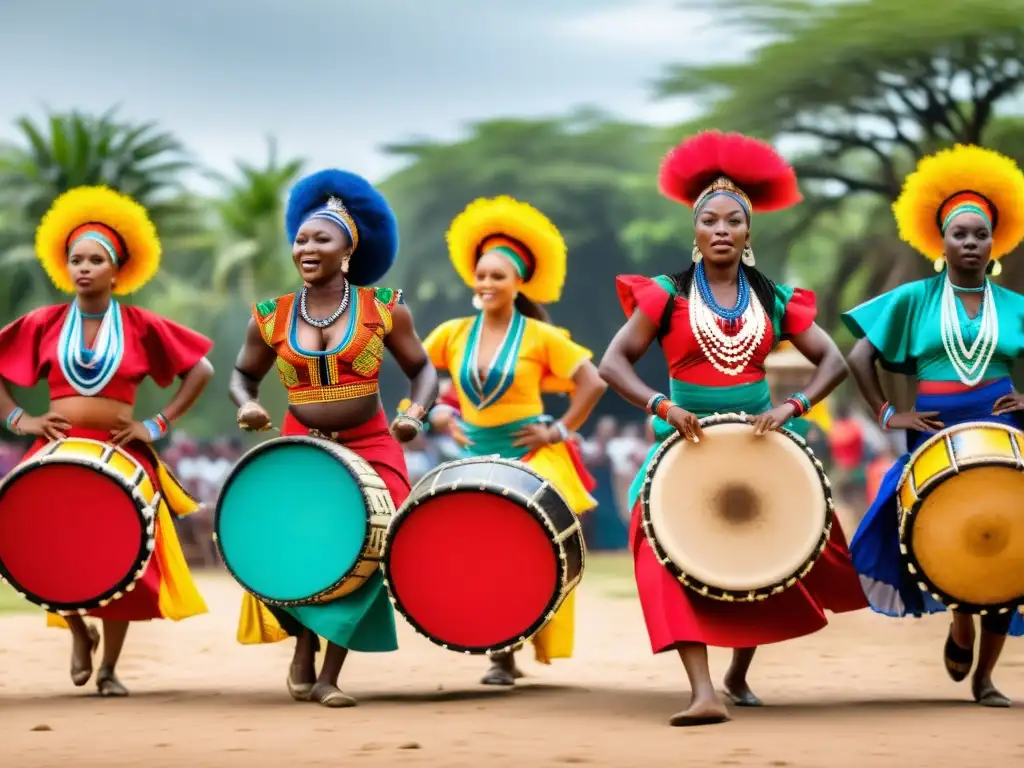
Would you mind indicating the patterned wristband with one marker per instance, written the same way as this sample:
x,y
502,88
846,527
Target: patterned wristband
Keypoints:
x,y
798,407
654,402
881,411
157,426
804,401
13,418
563,431
887,413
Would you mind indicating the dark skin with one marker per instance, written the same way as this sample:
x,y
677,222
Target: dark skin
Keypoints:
x,y
94,275
497,284
321,253
722,231
967,251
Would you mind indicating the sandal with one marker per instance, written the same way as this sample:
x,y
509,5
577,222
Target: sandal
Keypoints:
x,y
299,691
108,685
745,699
332,696
80,674
989,696
958,660
503,670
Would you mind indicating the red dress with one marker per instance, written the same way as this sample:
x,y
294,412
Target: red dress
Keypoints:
x,y
674,613
155,347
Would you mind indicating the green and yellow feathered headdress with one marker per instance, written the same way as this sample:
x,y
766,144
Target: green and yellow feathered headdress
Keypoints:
x,y
953,181
117,222
521,232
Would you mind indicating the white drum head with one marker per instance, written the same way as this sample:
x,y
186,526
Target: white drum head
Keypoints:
x,y
737,511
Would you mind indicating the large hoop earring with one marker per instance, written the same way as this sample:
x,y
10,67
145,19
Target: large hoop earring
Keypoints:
x,y
747,256
940,264
696,255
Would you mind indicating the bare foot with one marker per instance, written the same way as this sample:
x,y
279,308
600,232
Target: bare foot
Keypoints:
x,y
707,712
987,695
82,651
739,693
332,696
503,670
108,685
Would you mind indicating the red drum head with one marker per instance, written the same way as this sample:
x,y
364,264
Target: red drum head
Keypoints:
x,y
472,570
69,535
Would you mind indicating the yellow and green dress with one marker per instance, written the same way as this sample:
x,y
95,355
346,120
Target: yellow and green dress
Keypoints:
x,y
534,357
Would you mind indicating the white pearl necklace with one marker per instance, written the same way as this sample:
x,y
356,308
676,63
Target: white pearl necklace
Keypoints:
x,y
728,353
971,363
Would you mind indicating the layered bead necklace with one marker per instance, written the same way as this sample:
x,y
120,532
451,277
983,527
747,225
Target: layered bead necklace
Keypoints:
x,y
970,363
332,318
728,352
88,371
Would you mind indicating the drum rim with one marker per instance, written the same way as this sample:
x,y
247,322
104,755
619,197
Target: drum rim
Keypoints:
x,y
146,512
565,586
723,594
337,451
906,516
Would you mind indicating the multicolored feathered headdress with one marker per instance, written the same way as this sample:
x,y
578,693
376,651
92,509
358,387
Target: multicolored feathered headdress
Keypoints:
x,y
518,231
116,222
963,179
713,163
357,208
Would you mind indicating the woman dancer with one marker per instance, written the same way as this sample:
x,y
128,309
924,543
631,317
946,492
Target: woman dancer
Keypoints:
x,y
717,320
500,361
93,353
327,341
959,335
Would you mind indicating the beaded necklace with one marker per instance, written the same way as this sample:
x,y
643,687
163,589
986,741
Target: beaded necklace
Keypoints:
x,y
970,363
729,353
88,371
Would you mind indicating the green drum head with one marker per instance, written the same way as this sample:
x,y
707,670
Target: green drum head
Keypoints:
x,y
291,521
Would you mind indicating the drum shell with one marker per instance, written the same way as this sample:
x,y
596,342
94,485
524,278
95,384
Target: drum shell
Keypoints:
x,y
517,483
378,509
720,593
129,477
940,459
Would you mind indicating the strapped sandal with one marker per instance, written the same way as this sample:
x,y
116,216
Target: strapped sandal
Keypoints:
x,y
958,661
332,696
108,685
80,674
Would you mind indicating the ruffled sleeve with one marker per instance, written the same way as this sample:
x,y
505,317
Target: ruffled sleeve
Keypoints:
x,y
887,322
562,357
794,312
171,350
649,296
20,343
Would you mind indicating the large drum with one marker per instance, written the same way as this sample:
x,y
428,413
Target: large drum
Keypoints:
x,y
77,525
482,554
737,517
961,503
301,520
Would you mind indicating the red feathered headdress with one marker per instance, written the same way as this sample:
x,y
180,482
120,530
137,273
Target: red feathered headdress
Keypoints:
x,y
754,167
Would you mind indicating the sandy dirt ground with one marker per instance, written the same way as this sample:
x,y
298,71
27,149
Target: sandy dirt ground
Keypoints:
x,y
866,691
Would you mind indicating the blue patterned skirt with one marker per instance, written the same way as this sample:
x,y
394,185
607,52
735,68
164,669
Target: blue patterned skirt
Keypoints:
x,y
875,546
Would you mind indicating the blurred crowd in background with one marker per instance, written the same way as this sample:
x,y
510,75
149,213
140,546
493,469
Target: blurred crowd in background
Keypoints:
x,y
855,451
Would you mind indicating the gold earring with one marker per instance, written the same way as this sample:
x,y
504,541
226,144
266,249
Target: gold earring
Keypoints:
x,y
997,268
748,256
696,255
940,264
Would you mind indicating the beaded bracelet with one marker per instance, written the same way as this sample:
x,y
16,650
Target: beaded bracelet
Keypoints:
x,y
13,418
157,427
804,401
654,402
663,407
888,412
881,411
563,431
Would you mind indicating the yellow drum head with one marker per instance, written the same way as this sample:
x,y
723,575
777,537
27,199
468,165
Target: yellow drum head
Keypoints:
x,y
968,536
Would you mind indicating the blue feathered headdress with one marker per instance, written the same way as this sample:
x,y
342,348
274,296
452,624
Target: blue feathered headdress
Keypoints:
x,y
377,228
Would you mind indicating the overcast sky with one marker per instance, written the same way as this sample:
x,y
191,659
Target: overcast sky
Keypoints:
x,y
335,79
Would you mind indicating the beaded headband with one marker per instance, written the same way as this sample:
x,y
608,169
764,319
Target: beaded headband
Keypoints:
x,y
102,234
336,212
722,186
965,202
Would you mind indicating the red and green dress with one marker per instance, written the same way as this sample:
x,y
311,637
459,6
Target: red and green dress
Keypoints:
x,y
675,614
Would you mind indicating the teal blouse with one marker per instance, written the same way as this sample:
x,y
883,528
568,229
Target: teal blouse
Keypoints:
x,y
904,325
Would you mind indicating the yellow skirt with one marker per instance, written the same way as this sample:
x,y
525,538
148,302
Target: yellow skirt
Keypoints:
x,y
553,463
178,596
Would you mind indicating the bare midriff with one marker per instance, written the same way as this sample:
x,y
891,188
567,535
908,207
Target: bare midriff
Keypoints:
x,y
339,415
92,412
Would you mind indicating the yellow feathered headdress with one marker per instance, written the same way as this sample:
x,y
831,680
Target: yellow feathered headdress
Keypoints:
x,y
963,178
519,230
120,221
